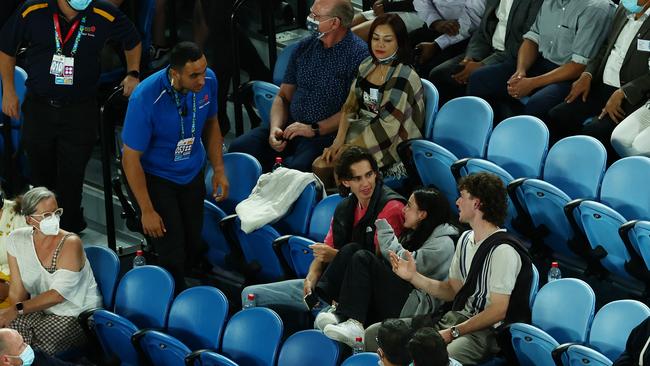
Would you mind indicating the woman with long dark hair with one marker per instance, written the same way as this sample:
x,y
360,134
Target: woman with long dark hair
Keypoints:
x,y
370,290
385,105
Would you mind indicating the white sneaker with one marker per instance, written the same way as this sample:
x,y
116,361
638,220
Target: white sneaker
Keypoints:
x,y
346,332
325,318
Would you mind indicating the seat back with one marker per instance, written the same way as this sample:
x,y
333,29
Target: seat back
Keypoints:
x,y
362,359
433,163
577,301
296,221
321,217
144,296
463,126
209,358
519,145
576,165
146,11
162,349
263,96
243,171
640,239
212,235
299,255
20,79
308,347
252,337
106,269
114,334
257,248
621,316
282,62
197,317
431,100
620,188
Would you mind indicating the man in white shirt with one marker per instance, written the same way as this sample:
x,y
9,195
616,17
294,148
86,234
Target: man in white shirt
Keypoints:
x,y
489,278
616,81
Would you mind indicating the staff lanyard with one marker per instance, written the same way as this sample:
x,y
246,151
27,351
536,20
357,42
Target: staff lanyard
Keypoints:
x,y
180,114
58,38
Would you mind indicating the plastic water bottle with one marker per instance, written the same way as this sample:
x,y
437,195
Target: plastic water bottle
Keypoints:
x,y
358,346
554,273
249,302
139,259
278,163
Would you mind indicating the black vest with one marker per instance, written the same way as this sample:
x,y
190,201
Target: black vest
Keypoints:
x,y
343,230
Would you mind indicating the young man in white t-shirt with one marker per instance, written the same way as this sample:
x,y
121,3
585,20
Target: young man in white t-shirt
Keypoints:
x,y
481,296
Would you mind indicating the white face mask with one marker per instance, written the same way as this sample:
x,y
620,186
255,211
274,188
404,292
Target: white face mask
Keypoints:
x,y
50,225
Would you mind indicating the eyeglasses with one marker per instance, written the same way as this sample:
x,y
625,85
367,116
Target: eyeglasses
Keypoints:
x,y
319,17
58,212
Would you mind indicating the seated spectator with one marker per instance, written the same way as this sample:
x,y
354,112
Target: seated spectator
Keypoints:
x,y
448,24
554,52
637,348
366,200
15,351
370,290
393,336
615,83
10,219
52,282
489,278
306,112
403,8
385,105
632,136
497,38
427,348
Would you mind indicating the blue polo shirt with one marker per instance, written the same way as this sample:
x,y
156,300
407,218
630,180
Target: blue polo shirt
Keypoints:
x,y
153,126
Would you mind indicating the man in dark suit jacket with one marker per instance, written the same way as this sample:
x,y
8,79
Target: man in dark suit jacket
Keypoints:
x,y
451,76
615,83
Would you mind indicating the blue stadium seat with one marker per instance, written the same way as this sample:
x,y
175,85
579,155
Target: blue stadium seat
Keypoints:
x,y
282,62
534,343
242,171
293,251
252,337
620,200
218,247
574,168
636,236
362,359
534,288
431,100
20,78
208,358
606,345
517,149
308,347
162,349
106,269
142,300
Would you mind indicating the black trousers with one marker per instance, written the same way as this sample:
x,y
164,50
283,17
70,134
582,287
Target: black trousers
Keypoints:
x,y
181,208
364,285
58,142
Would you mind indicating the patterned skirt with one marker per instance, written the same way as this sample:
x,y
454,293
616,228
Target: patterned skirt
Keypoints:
x,y
48,332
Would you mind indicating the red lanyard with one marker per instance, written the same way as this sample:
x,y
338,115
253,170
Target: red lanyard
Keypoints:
x,y
57,27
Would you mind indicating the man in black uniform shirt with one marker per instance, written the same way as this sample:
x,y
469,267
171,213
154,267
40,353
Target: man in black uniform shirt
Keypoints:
x,y
63,40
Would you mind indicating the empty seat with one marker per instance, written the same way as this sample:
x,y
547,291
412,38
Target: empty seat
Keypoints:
x,y
309,347
252,337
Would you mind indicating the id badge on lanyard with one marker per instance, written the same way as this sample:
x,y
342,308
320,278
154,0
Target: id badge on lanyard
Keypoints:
x,y
184,149
62,67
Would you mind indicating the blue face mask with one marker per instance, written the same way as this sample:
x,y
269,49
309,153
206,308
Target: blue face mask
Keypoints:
x,y
632,6
387,60
79,5
27,356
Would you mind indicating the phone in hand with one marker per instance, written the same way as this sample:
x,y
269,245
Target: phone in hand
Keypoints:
x,y
311,300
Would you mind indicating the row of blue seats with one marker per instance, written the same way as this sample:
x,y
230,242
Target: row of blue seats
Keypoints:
x,y
142,323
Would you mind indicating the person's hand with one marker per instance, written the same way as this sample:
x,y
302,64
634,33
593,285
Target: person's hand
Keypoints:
x,y
378,7
425,52
463,76
307,287
446,335
152,224
521,87
11,105
448,27
613,107
579,89
323,252
516,77
276,139
298,129
405,269
332,152
129,83
220,185
7,316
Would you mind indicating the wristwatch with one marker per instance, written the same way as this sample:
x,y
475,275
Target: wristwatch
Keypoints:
x,y
316,128
454,332
19,308
134,73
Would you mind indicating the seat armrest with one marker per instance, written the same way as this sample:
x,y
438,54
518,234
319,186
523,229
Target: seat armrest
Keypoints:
x,y
457,166
559,351
277,248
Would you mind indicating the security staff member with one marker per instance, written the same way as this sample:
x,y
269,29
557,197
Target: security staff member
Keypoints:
x,y
63,40
169,117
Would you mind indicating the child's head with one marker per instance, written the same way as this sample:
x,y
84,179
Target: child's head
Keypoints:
x,y
427,348
392,337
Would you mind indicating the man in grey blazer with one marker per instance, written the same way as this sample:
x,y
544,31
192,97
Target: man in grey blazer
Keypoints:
x,y
615,83
497,39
